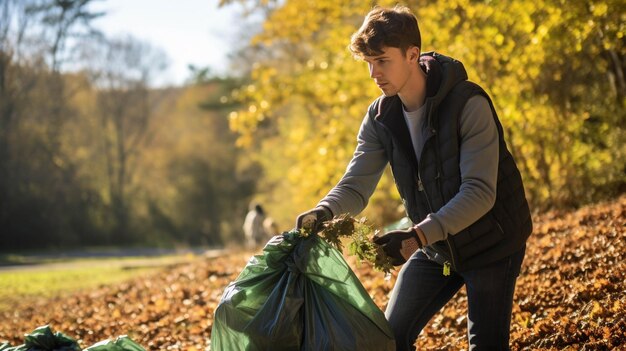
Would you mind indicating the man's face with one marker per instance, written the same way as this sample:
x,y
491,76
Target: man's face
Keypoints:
x,y
391,70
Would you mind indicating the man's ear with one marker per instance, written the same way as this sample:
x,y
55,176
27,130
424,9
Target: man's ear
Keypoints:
x,y
414,53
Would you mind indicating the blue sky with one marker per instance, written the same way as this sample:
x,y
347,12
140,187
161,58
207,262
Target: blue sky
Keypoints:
x,y
190,31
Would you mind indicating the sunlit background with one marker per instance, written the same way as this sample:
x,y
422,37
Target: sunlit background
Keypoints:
x,y
158,123
135,135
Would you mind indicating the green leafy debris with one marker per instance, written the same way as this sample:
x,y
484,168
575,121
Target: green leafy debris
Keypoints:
x,y
359,233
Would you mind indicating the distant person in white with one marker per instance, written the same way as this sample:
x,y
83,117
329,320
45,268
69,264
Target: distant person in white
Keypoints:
x,y
253,227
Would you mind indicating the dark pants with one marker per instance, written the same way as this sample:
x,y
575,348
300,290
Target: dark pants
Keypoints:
x,y
422,290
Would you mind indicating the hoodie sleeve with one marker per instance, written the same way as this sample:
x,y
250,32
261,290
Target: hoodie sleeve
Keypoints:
x,y
479,172
352,193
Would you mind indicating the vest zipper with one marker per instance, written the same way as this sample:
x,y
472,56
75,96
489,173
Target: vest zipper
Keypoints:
x,y
420,188
420,185
446,265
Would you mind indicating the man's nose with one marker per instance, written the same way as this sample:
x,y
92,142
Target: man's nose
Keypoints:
x,y
373,71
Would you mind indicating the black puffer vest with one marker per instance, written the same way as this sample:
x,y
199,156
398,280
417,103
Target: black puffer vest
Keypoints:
x,y
429,185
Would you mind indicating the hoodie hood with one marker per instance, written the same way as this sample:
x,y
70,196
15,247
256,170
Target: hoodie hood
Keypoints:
x,y
443,74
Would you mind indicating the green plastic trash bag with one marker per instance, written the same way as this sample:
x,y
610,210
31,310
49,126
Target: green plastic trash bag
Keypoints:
x,y
122,343
42,339
299,294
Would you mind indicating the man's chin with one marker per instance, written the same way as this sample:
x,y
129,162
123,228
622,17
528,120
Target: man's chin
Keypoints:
x,y
387,90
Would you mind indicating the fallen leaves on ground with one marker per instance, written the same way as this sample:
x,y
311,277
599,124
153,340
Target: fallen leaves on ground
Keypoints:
x,y
570,295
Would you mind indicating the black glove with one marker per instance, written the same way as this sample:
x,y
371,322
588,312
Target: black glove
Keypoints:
x,y
399,245
313,220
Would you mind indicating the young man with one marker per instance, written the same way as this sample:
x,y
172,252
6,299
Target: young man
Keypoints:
x,y
458,182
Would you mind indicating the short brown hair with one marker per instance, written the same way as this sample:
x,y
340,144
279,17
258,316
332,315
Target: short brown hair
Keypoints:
x,y
386,27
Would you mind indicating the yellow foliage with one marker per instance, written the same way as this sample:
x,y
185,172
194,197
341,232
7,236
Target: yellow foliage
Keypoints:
x,y
527,54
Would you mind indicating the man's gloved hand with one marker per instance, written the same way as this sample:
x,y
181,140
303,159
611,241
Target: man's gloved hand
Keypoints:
x,y
399,245
313,220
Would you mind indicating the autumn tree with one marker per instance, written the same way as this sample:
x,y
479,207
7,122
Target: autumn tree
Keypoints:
x,y
37,182
121,71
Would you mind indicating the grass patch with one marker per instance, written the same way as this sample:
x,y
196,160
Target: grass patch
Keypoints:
x,y
50,280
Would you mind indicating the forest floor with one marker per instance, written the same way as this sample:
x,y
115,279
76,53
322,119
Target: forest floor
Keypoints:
x,y
571,295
